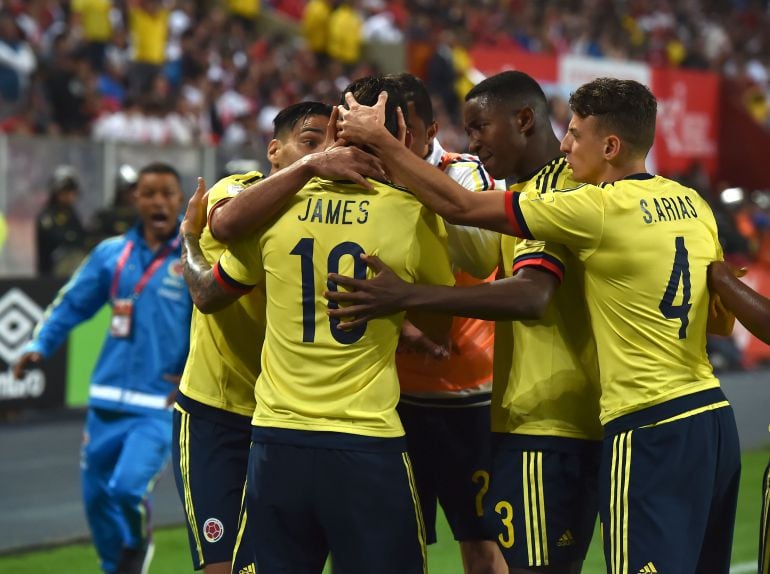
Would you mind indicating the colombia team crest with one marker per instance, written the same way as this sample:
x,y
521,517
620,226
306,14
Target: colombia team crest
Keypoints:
x,y
213,529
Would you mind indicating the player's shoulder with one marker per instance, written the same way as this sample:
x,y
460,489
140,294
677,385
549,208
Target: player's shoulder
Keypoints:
x,y
468,170
556,175
232,185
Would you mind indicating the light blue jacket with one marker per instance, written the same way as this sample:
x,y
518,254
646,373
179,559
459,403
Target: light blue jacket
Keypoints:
x,y
129,375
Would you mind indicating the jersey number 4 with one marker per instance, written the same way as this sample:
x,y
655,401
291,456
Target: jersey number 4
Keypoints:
x,y
679,274
304,248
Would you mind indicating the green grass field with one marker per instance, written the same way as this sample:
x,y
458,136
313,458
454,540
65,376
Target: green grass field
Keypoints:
x,y
172,554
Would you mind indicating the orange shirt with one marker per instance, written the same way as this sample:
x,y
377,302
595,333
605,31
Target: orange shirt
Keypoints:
x,y
468,370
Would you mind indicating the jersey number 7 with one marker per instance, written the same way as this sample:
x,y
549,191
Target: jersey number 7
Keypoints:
x,y
679,274
304,248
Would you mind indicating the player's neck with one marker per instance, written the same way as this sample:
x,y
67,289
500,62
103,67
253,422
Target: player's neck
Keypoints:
x,y
616,172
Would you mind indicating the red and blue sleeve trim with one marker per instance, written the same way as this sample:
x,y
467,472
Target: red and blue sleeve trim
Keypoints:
x,y
541,260
228,283
515,217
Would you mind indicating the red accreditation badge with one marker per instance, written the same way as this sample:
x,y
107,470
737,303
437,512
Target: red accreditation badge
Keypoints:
x,y
120,326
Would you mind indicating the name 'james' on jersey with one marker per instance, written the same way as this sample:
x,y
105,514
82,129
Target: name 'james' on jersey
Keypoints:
x,y
315,376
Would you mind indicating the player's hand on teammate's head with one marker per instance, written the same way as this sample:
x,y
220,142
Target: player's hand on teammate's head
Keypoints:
x,y
366,299
195,217
26,361
403,131
361,124
347,163
331,140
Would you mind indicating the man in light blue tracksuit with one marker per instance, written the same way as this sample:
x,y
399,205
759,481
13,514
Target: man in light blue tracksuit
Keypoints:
x,y
127,438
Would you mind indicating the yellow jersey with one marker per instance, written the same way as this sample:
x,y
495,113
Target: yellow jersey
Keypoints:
x,y
94,19
245,8
646,242
546,375
345,35
315,24
225,347
316,377
149,32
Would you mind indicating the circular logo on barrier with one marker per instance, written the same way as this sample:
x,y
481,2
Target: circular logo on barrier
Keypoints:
x,y
213,530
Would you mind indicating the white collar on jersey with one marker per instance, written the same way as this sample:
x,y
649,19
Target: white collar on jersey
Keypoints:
x,y
436,153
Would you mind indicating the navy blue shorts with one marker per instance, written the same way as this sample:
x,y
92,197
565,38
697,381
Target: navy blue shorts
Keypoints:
x,y
668,487
309,494
764,525
450,452
543,498
210,456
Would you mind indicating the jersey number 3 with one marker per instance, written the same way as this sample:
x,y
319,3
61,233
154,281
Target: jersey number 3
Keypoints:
x,y
679,274
304,248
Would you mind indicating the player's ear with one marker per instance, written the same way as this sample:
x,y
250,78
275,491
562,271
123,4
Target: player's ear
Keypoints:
x,y
432,130
273,150
612,145
526,119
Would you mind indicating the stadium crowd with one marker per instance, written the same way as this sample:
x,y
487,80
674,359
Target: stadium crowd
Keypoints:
x,y
179,71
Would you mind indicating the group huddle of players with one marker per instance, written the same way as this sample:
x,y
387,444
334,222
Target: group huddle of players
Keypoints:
x,y
590,394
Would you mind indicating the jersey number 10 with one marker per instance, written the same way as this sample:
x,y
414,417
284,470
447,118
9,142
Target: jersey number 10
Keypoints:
x,y
679,274
304,248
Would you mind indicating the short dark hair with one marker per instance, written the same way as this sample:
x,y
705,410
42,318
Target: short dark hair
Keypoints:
x,y
161,168
366,91
414,91
288,117
623,107
511,87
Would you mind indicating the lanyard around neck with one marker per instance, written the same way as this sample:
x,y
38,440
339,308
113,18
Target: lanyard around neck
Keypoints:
x,y
157,261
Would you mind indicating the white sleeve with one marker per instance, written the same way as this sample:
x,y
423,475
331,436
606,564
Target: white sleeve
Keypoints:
x,y
474,250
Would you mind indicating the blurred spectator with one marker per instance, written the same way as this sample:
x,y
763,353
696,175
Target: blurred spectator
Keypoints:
x,y
315,25
243,16
560,114
441,75
17,62
72,88
121,215
380,23
61,239
345,33
91,20
148,27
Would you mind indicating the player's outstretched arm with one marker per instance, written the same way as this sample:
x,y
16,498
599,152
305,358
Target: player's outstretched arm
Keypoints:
x,y
207,294
751,308
524,296
255,206
362,125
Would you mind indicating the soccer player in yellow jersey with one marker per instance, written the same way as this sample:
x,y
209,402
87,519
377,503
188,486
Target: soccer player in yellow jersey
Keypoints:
x,y
216,399
671,462
543,494
328,468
